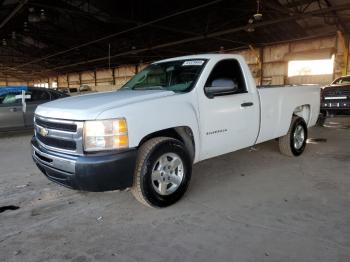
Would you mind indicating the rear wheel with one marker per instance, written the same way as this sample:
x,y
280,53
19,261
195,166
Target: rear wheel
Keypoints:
x,y
163,171
294,142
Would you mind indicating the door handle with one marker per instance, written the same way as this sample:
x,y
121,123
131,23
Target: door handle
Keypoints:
x,y
13,109
246,104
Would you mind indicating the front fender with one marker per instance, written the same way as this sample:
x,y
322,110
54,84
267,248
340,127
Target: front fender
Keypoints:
x,y
147,117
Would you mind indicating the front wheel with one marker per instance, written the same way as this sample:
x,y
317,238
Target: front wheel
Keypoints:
x,y
294,142
163,171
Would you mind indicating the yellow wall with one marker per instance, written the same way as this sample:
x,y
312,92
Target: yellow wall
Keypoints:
x,y
273,70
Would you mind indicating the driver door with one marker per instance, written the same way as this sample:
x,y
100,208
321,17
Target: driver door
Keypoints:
x,y
229,121
11,115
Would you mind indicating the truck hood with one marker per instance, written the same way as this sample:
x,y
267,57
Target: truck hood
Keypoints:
x,y
336,90
345,87
89,107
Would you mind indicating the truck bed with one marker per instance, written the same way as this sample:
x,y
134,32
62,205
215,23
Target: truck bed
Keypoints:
x,y
279,86
277,102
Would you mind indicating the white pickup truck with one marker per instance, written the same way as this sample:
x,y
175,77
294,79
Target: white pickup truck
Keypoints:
x,y
176,112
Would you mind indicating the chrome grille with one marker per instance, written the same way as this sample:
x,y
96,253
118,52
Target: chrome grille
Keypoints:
x,y
59,135
56,125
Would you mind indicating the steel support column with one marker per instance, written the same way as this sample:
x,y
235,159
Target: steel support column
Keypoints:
x,y
344,41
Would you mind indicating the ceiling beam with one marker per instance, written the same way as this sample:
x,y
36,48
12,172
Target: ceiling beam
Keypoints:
x,y
13,13
189,10
215,34
298,3
175,30
340,23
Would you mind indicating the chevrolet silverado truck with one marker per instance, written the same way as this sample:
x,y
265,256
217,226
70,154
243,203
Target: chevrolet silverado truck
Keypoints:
x,y
174,113
335,99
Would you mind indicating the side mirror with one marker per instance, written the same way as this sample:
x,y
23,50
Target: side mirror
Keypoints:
x,y
221,86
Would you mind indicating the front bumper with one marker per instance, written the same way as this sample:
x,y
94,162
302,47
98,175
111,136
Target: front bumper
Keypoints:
x,y
335,105
97,172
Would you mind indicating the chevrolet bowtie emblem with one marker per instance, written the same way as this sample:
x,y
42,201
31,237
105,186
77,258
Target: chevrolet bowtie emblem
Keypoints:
x,y
43,131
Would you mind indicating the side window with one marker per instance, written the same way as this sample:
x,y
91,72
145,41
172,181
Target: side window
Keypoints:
x,y
227,71
38,95
55,95
9,98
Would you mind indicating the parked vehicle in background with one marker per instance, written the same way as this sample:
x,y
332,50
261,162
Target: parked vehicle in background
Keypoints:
x,y
172,114
73,91
335,99
17,111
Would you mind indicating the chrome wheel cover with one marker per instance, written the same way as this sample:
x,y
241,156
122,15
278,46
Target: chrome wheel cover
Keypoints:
x,y
167,174
298,137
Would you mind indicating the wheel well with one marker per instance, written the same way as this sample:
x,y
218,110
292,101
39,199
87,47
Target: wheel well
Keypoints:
x,y
303,111
181,133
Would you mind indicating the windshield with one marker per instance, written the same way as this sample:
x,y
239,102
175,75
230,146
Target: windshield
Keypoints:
x,y
342,81
177,76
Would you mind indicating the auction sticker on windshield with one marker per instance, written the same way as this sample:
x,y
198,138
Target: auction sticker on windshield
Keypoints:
x,y
193,63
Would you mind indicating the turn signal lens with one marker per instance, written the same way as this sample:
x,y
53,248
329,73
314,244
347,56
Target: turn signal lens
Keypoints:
x,y
120,126
121,141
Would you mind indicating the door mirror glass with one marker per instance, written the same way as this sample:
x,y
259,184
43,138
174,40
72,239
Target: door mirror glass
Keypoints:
x,y
221,86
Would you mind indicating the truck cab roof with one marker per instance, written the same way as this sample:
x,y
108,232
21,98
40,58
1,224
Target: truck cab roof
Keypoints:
x,y
201,56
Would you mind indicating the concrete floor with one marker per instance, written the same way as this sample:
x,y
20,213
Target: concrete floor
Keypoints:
x,y
244,206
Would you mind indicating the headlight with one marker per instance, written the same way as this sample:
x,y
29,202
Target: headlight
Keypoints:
x,y
105,135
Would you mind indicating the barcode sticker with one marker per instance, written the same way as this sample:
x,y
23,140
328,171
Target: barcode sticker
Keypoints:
x,y
193,63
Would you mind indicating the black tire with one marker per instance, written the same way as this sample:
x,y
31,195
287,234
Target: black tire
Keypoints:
x,y
286,143
143,189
